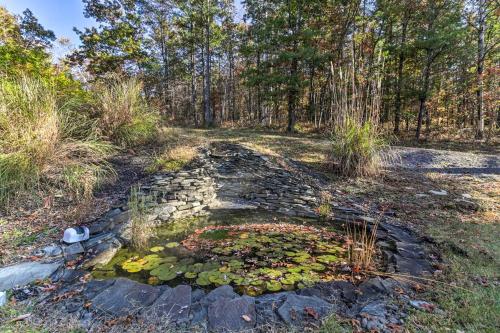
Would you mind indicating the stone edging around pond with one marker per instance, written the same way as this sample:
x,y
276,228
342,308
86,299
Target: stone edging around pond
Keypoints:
x,y
371,302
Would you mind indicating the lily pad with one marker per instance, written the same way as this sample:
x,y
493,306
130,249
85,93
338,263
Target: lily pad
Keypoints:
x,y
171,245
273,285
157,249
327,259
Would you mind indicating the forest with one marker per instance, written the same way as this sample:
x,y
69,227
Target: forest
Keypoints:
x,y
286,63
250,166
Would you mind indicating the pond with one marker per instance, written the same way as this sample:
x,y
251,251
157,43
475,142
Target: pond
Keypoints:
x,y
254,251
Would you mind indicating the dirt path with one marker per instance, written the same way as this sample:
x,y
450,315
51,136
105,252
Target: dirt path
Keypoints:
x,y
447,162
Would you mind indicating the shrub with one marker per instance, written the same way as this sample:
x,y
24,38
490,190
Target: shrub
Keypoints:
x,y
37,147
357,149
124,116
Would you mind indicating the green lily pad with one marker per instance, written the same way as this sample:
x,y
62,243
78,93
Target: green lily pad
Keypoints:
x,y
165,272
171,245
190,275
273,285
327,259
157,249
202,279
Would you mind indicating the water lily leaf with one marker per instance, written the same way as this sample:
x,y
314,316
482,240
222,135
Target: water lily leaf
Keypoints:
x,y
165,272
273,285
132,266
202,279
157,249
316,266
327,259
171,245
190,275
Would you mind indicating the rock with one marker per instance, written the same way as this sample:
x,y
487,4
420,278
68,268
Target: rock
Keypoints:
x,y
72,250
25,273
69,275
102,258
220,292
410,250
266,305
197,295
375,309
438,192
98,239
293,310
415,267
3,298
198,313
52,251
94,287
423,305
421,195
235,314
173,304
125,297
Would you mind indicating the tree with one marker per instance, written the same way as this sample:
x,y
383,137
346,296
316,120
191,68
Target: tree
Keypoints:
x,y
116,44
34,34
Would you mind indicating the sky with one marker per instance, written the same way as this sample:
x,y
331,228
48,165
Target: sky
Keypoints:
x,y
61,16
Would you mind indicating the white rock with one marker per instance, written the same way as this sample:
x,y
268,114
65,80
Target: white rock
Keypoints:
x,y
440,192
3,298
25,273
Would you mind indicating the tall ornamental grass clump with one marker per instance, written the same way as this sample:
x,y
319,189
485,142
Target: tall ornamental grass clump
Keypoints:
x,y
124,115
38,148
357,149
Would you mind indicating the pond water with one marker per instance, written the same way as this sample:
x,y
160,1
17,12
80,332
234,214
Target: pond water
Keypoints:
x,y
254,251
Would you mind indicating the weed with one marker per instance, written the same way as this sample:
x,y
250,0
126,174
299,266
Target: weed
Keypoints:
x,y
124,115
324,210
356,149
361,245
141,228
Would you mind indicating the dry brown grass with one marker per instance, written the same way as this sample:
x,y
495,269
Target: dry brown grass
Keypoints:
x,y
141,228
361,245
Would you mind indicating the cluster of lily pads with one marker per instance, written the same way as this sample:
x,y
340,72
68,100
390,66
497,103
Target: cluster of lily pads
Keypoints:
x,y
254,260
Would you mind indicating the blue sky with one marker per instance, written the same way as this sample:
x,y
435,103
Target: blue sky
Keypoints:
x,y
61,16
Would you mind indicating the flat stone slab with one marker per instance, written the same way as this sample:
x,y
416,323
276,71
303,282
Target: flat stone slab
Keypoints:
x,y
299,309
174,304
229,315
25,273
125,297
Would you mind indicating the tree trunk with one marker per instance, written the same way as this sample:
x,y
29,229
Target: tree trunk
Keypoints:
x,y
209,120
399,87
192,66
423,95
480,65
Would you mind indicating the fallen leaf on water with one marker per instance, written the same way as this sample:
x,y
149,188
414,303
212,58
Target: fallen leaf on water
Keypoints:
x,y
246,318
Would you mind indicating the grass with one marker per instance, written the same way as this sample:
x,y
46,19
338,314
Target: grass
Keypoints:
x,y
179,149
141,228
356,149
361,246
124,115
37,149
